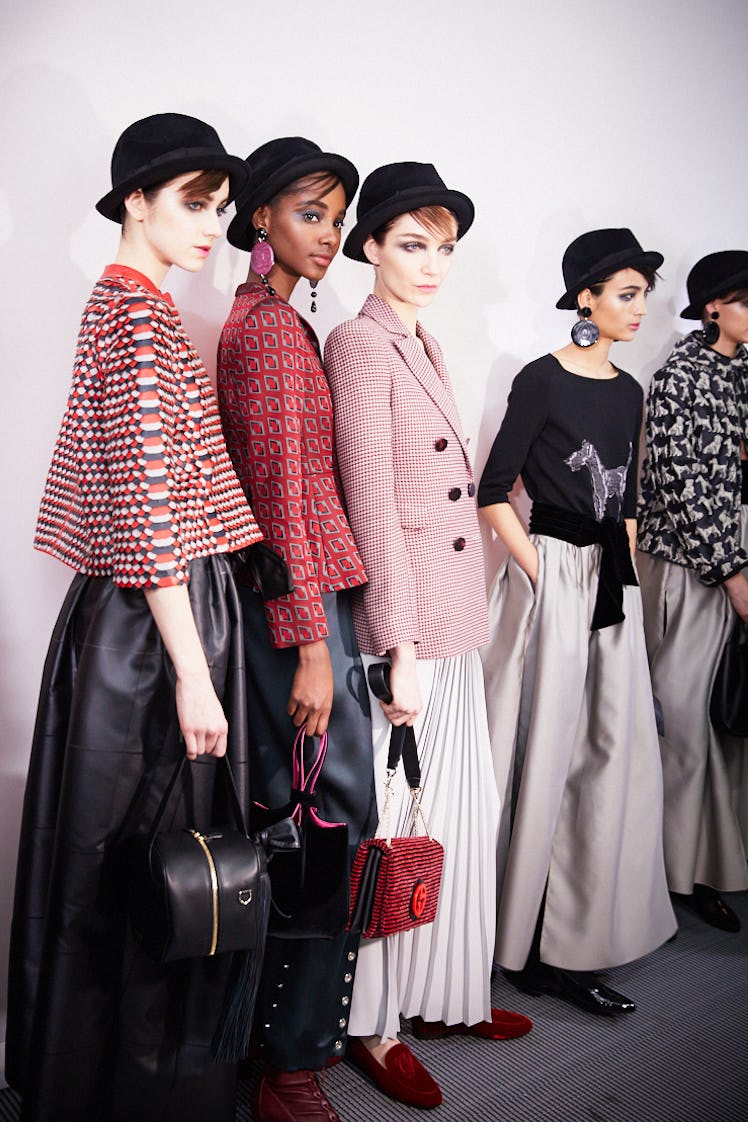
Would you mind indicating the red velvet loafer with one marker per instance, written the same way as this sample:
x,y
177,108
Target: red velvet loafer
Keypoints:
x,y
504,1025
402,1076
292,1096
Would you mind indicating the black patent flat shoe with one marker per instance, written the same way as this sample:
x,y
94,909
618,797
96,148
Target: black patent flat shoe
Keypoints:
x,y
585,990
709,905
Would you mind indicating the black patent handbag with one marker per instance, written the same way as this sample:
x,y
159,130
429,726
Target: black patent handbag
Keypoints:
x,y
728,708
195,894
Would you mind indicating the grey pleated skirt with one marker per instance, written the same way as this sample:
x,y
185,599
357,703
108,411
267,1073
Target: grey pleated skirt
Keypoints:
x,y
705,774
577,765
441,971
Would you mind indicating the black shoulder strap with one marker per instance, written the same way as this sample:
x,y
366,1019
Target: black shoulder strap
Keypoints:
x,y
402,738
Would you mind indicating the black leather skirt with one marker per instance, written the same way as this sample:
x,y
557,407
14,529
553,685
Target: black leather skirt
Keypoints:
x,y
97,1032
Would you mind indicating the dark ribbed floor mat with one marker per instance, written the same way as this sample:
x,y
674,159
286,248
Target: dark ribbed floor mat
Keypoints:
x,y
682,1057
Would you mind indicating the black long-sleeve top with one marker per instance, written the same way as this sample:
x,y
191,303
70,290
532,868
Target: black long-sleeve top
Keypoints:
x,y
574,441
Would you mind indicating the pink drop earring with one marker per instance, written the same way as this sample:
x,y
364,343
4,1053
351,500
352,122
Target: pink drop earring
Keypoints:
x,y
262,258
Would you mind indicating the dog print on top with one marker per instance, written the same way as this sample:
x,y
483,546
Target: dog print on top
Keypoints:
x,y
607,483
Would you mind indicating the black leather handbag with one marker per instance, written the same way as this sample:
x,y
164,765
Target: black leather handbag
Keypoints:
x,y
729,704
310,886
195,894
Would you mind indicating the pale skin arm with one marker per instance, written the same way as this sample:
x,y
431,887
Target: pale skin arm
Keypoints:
x,y
201,717
502,519
406,693
631,531
310,700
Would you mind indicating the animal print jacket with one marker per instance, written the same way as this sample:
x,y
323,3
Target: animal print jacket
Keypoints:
x,y
697,414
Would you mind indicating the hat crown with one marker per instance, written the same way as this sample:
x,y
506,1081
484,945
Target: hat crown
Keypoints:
x,y
402,178
708,276
274,155
596,248
147,141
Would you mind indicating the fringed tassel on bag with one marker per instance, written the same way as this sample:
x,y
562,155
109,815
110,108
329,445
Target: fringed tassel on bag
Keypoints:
x,y
231,1040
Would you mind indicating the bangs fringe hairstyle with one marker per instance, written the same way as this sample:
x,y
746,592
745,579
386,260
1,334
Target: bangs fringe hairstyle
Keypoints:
x,y
440,223
650,275
735,297
202,184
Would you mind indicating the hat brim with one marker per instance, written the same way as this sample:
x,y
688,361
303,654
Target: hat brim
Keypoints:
x,y
241,232
725,287
613,263
403,203
175,163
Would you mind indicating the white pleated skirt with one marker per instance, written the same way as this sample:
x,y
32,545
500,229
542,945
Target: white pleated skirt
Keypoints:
x,y
440,971
705,773
577,765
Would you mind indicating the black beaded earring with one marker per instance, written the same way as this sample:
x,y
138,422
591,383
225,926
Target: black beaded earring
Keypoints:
x,y
584,333
313,286
710,333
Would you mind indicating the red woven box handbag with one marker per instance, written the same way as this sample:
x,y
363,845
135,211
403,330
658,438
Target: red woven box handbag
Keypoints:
x,y
395,881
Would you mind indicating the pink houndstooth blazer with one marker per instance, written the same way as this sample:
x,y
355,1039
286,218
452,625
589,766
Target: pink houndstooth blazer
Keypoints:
x,y
409,488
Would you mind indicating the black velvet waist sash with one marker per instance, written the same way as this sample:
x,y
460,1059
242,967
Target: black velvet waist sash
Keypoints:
x,y
616,567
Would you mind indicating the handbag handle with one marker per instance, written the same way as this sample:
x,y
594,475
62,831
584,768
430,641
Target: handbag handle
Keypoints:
x,y
402,743
306,781
233,799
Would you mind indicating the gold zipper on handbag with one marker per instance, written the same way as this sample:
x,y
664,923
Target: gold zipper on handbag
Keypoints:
x,y
202,842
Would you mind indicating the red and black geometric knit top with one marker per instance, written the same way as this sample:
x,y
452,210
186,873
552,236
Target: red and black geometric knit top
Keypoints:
x,y
140,482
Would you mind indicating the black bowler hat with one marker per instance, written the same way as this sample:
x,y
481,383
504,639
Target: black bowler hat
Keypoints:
x,y
274,166
594,256
717,274
162,147
397,189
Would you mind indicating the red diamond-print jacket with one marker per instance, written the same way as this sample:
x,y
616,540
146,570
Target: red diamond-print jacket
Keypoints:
x,y
276,411
140,482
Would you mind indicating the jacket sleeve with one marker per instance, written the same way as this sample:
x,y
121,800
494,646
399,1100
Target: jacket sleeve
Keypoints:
x,y
137,425
680,469
359,369
262,393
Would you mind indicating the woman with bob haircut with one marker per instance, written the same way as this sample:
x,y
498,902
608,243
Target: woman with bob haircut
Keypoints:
x,y
693,564
581,881
145,665
409,491
303,664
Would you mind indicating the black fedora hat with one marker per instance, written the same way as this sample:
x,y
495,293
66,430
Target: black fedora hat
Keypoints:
x,y
717,274
161,147
275,165
397,189
596,255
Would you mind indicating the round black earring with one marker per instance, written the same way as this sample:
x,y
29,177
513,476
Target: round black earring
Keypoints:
x,y
584,333
313,286
710,333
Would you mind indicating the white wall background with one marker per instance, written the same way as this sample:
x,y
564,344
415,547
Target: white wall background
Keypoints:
x,y
555,117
